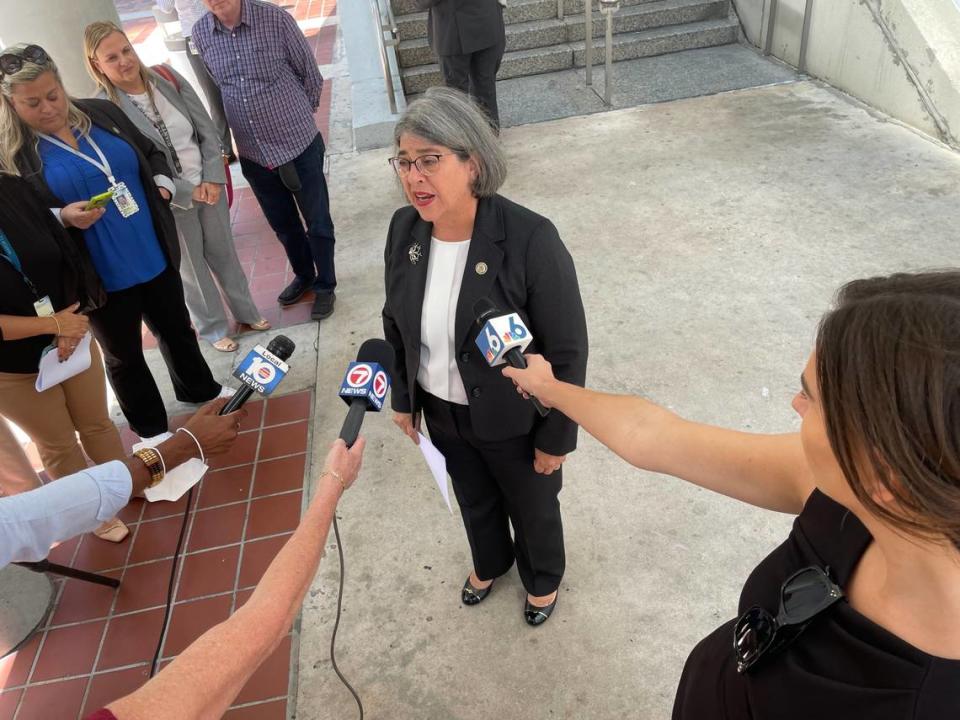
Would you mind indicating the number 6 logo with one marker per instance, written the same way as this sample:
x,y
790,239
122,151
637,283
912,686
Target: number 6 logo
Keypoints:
x,y
516,328
492,340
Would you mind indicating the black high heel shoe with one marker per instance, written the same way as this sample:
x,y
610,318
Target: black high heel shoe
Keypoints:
x,y
471,595
538,615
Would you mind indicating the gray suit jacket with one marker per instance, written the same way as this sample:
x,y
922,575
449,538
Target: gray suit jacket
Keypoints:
x,y
204,132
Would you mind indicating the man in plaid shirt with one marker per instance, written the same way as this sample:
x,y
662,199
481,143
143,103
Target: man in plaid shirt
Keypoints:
x,y
271,88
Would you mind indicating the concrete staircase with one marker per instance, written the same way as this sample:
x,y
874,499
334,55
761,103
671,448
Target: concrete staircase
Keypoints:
x,y
538,42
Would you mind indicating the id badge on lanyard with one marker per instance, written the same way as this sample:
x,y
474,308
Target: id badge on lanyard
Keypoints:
x,y
43,305
122,197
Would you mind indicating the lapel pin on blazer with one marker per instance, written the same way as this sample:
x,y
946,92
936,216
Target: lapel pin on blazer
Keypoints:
x,y
481,268
415,253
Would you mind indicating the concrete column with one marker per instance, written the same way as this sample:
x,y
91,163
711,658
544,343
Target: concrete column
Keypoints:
x,y
57,26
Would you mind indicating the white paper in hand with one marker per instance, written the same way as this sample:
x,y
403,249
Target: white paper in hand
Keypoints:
x,y
177,480
53,372
438,466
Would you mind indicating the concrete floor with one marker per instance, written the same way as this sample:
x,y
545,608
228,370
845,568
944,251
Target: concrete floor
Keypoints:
x,y
709,235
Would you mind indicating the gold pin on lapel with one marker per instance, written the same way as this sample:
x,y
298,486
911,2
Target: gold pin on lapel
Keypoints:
x,y
481,268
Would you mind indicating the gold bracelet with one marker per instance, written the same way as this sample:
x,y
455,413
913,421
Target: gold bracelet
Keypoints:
x,y
339,478
57,322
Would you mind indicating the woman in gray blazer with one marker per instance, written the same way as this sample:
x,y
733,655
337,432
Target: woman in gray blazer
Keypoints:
x,y
171,114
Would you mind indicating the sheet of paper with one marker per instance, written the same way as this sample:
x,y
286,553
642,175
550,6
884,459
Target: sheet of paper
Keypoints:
x,y
177,480
53,372
438,466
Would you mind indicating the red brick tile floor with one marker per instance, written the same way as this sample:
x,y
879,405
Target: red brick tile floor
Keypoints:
x,y
98,642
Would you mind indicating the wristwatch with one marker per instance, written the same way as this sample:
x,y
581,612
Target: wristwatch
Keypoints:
x,y
151,458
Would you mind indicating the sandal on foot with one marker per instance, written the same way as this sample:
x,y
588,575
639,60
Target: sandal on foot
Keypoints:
x,y
112,531
260,325
225,344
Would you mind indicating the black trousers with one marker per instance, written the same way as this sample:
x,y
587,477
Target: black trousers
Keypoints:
x,y
476,74
160,304
496,486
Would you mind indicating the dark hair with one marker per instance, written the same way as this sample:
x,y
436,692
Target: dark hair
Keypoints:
x,y
888,367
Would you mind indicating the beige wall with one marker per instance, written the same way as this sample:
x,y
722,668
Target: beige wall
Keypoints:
x,y
910,71
57,26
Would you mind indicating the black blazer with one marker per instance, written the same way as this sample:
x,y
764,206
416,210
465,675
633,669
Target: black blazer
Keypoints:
x,y
461,27
107,116
528,271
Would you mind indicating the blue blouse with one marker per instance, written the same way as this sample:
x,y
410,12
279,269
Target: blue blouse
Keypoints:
x,y
125,251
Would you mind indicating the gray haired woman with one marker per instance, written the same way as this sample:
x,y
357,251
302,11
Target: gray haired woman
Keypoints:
x,y
457,243
170,114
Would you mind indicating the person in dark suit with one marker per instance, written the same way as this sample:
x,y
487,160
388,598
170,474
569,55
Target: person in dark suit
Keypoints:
x,y
469,38
459,242
70,151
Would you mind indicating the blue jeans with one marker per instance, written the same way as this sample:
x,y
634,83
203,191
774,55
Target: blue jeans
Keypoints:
x,y
310,252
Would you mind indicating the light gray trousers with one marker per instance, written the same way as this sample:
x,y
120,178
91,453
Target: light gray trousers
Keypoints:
x,y
206,243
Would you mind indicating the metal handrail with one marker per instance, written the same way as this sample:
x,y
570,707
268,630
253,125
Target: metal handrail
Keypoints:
x,y
804,35
588,37
382,45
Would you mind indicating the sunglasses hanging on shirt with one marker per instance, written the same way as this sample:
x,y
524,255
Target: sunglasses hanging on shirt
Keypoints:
x,y
803,596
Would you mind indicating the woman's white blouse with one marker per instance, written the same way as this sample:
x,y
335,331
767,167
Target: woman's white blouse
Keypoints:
x,y
438,373
181,134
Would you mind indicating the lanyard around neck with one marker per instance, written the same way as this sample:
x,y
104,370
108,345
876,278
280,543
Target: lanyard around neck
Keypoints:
x,y
103,166
10,255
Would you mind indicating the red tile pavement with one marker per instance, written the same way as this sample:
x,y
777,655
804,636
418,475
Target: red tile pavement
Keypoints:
x,y
98,642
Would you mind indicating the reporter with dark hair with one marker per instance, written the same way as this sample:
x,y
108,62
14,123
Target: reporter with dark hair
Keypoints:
x,y
857,613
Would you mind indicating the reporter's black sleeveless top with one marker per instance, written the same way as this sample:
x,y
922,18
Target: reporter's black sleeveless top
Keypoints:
x,y
843,666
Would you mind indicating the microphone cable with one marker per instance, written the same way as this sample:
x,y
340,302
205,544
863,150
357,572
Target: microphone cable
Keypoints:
x,y
168,608
336,624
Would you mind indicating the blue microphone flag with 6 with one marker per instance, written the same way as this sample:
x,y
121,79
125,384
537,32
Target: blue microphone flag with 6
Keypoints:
x,y
501,334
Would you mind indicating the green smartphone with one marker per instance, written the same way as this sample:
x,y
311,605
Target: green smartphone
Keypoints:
x,y
98,201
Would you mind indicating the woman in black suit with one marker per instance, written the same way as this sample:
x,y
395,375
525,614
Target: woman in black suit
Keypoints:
x,y
457,243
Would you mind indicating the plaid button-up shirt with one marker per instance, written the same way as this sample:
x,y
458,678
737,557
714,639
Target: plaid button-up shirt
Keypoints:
x,y
268,78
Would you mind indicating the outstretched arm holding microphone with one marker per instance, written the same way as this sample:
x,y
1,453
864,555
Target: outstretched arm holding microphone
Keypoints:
x,y
874,477
764,470
204,680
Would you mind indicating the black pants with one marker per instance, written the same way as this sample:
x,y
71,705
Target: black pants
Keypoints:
x,y
496,486
476,74
310,252
159,303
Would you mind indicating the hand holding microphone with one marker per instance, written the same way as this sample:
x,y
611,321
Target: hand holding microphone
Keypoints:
x,y
503,338
534,380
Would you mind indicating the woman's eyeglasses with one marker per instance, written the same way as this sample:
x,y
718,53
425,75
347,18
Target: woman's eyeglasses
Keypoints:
x,y
426,164
803,596
11,63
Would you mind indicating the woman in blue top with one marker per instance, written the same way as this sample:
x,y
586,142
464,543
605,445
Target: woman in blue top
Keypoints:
x,y
70,152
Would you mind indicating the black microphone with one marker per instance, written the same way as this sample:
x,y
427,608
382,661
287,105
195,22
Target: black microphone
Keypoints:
x,y
365,385
500,329
261,371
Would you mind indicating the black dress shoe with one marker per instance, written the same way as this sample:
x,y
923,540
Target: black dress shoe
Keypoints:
x,y
471,595
323,305
538,615
294,291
